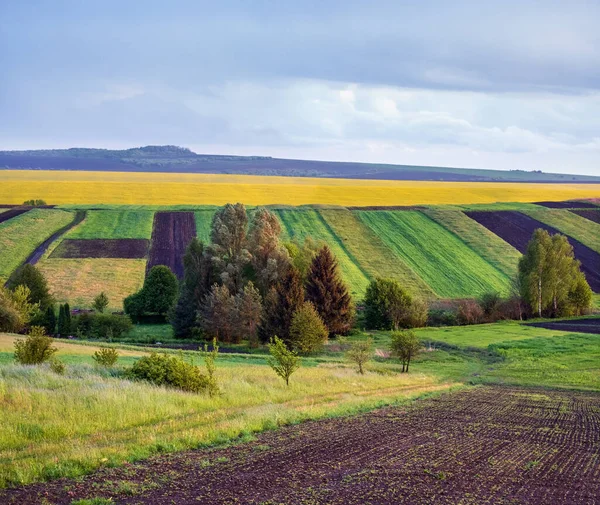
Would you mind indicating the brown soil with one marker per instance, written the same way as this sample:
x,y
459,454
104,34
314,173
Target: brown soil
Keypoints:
x,y
591,214
171,234
591,325
102,248
489,445
9,214
572,204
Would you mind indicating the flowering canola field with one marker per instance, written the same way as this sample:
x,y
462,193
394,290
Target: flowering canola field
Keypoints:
x,y
76,187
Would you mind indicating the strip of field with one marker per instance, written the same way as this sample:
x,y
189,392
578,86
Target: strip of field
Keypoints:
x,y
592,215
585,231
567,205
489,246
73,187
440,258
109,224
591,325
20,236
374,257
10,213
79,281
203,224
131,248
171,234
299,224
517,228
489,445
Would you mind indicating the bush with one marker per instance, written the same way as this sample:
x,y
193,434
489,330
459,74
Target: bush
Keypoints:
x,y
165,370
307,331
490,304
469,312
106,356
389,306
35,349
283,361
57,366
360,353
210,357
441,317
106,326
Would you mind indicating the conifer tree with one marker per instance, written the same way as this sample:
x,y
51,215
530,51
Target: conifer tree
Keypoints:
x,y
50,322
329,294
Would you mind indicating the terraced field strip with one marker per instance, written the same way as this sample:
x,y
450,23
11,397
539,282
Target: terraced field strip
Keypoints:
x,y
76,187
584,230
79,281
114,224
6,214
203,224
171,234
489,246
517,228
21,235
446,263
486,445
592,215
374,256
131,248
300,223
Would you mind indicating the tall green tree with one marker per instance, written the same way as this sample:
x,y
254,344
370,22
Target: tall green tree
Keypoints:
x,y
64,320
219,314
249,313
30,276
533,271
157,296
329,294
50,321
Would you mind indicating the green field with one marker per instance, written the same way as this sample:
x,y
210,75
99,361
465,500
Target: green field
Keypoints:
x,y
446,263
203,222
371,252
488,245
585,231
298,224
21,235
114,224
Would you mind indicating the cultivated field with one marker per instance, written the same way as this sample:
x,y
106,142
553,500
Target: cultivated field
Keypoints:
x,y
101,248
485,445
73,187
114,224
592,215
171,234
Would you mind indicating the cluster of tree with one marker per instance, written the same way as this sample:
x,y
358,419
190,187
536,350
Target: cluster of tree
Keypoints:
x,y
247,284
157,296
35,203
388,306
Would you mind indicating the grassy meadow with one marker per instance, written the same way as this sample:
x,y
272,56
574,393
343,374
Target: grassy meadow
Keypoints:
x,y
79,281
109,224
21,235
74,187
203,223
439,257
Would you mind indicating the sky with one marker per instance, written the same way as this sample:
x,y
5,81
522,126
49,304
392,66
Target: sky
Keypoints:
x,y
487,84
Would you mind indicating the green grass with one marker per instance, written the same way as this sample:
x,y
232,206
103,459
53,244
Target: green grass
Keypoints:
x,y
486,244
302,223
114,224
203,223
21,235
446,263
370,251
585,231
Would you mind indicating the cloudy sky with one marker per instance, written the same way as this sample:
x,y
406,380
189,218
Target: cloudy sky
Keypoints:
x,y
491,84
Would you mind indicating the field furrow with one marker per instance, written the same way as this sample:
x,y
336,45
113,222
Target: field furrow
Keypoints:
x,y
446,263
300,223
374,256
489,246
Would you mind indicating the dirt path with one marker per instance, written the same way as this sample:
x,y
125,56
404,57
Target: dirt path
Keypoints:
x,y
484,445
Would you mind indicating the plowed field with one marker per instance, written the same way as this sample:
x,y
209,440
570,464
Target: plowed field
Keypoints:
x,y
101,248
486,445
592,215
171,234
517,229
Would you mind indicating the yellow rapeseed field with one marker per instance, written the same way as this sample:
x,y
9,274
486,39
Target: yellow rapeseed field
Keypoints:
x,y
75,187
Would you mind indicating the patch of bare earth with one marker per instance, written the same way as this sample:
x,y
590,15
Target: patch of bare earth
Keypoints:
x,y
489,445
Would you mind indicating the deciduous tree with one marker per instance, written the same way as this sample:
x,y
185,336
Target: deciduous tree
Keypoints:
x,y
404,346
307,331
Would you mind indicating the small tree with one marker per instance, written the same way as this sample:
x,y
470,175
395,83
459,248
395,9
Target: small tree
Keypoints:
x,y
161,288
283,361
210,358
580,296
50,321
64,320
35,349
100,302
360,353
307,331
405,345
106,356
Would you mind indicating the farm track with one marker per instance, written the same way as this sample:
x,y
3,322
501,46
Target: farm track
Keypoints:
x,y
591,214
36,255
517,228
491,445
127,248
14,212
171,234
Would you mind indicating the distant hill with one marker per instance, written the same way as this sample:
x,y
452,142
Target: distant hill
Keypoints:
x,y
179,159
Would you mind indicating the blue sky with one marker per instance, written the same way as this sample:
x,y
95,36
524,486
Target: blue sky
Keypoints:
x,y
463,83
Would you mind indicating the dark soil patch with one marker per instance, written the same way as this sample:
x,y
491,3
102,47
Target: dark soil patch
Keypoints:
x,y
572,204
486,445
13,212
590,325
517,229
592,215
171,234
102,248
